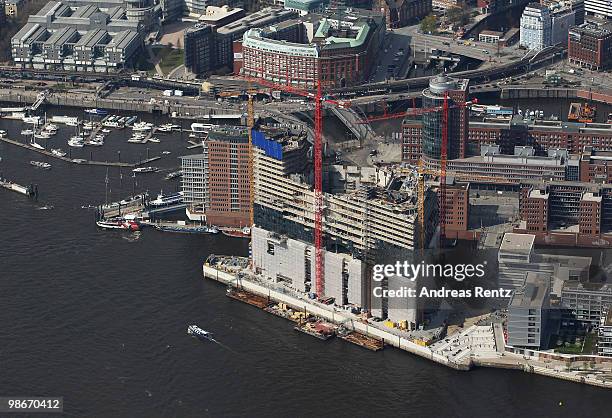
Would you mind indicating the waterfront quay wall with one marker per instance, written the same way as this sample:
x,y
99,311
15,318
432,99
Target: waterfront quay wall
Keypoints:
x,y
512,359
85,100
328,313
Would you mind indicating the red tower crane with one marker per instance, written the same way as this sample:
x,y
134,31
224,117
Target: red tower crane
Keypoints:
x,y
319,99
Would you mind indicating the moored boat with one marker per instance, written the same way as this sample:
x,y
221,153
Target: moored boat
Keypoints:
x,y
237,233
41,164
123,224
145,170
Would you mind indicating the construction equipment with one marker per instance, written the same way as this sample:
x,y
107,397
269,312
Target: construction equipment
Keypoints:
x,y
250,125
319,99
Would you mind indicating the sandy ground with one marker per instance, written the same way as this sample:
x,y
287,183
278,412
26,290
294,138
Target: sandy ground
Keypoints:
x,y
173,33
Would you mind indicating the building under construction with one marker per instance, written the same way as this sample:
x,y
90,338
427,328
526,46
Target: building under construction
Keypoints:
x,y
369,216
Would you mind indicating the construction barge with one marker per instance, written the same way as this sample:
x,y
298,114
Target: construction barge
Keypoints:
x,y
361,340
249,298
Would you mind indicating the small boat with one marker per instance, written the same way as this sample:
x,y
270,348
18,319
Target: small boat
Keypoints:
x,y
167,199
2,133
122,224
142,126
76,142
154,140
27,132
188,229
106,131
199,333
40,164
173,175
131,199
166,152
237,233
58,152
145,170
165,128
97,112
42,135
33,120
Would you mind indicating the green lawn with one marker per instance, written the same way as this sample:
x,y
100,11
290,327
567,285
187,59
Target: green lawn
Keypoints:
x,y
589,346
170,58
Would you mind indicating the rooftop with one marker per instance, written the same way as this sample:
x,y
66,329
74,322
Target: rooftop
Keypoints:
x,y
533,293
517,243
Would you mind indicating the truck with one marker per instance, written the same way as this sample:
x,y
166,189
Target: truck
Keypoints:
x,y
178,92
168,93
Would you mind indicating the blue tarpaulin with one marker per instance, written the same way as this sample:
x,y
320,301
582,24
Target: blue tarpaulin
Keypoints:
x,y
271,148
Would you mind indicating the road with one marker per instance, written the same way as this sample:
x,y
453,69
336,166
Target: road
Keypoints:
x,y
478,50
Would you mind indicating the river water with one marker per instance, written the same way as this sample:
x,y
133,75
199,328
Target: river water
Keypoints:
x,y
100,318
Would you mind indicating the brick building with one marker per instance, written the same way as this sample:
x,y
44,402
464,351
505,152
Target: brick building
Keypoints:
x,y
400,13
511,132
595,166
457,207
590,46
216,183
574,208
337,50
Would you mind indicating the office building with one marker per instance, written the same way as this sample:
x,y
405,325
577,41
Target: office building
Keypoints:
x,y
331,48
595,166
598,8
216,183
604,335
82,37
546,137
221,16
590,46
493,167
536,27
517,257
587,302
200,49
400,13
304,7
228,34
457,209
528,313
567,212
456,91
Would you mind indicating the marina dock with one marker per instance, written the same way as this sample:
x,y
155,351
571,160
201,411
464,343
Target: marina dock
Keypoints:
x,y
78,160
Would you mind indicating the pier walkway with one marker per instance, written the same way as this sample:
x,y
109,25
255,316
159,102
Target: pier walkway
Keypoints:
x,y
78,160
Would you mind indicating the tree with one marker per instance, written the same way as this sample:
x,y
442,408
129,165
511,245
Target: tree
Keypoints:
x,y
458,16
429,24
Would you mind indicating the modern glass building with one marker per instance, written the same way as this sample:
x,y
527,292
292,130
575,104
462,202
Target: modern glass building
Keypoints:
x,y
433,98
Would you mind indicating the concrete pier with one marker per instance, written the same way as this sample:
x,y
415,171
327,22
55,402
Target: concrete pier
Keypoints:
x,y
502,358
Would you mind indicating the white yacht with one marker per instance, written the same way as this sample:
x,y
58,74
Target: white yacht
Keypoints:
x,y
142,126
58,152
